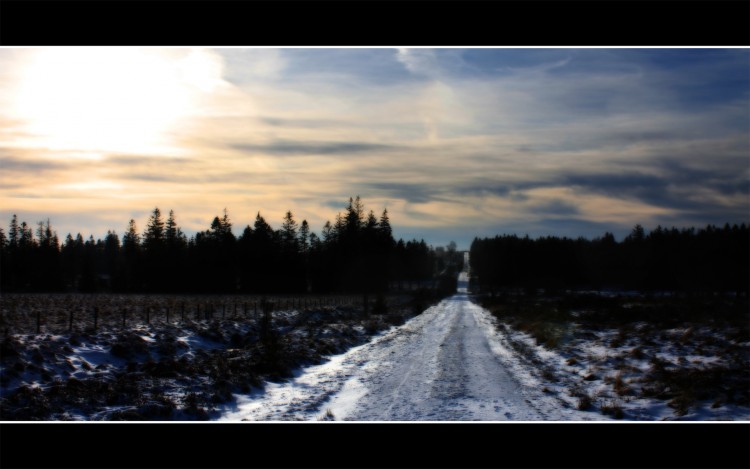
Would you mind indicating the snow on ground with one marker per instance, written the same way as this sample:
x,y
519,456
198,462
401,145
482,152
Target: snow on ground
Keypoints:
x,y
610,371
178,369
455,361
449,363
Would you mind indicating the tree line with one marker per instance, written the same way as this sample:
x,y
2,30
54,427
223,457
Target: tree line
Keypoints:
x,y
355,254
708,260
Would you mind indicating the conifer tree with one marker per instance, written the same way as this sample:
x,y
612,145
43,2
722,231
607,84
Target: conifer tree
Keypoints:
x,y
289,233
304,237
26,239
262,230
111,254
384,226
130,268
4,262
225,228
153,237
327,233
131,240
354,218
314,242
372,222
172,232
154,256
13,232
247,234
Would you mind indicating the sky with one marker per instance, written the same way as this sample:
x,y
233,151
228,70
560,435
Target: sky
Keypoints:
x,y
455,143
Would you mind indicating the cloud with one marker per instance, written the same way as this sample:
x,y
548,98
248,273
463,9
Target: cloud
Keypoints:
x,y
28,165
301,123
419,61
292,148
614,184
26,176
676,188
557,208
152,160
411,193
247,65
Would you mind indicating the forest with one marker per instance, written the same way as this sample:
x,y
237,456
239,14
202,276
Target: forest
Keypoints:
x,y
703,261
355,254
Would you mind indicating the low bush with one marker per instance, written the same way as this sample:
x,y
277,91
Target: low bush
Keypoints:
x,y
129,345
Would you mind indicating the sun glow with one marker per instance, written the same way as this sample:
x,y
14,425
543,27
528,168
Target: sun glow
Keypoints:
x,y
110,99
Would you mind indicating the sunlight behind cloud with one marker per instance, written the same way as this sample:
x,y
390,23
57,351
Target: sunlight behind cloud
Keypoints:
x,y
202,69
105,99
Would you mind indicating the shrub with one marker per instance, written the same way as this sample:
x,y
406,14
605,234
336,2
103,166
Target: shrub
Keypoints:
x,y
9,347
637,352
681,404
549,374
614,409
620,387
584,402
371,326
328,416
129,345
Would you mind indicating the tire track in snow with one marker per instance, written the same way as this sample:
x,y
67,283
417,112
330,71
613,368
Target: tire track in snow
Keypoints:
x,y
448,363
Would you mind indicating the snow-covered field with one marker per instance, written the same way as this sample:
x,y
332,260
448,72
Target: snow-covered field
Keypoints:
x,y
182,369
659,363
456,361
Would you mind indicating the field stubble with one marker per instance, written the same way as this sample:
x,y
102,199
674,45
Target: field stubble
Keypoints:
x,y
615,354
136,357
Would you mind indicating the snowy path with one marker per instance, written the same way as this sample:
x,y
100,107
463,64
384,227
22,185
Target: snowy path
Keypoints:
x,y
449,363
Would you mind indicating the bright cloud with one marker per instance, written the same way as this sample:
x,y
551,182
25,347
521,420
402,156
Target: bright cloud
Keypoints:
x,y
419,61
102,99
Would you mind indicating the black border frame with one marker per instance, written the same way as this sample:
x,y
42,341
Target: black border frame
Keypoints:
x,y
374,23
371,445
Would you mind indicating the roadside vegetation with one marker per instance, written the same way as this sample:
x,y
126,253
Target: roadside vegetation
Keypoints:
x,y
181,369
633,356
653,326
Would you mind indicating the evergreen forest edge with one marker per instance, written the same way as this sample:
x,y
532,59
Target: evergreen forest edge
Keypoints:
x,y
667,260
355,254
358,254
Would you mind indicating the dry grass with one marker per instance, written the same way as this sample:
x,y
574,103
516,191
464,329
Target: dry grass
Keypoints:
x,y
705,338
612,408
327,417
155,379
